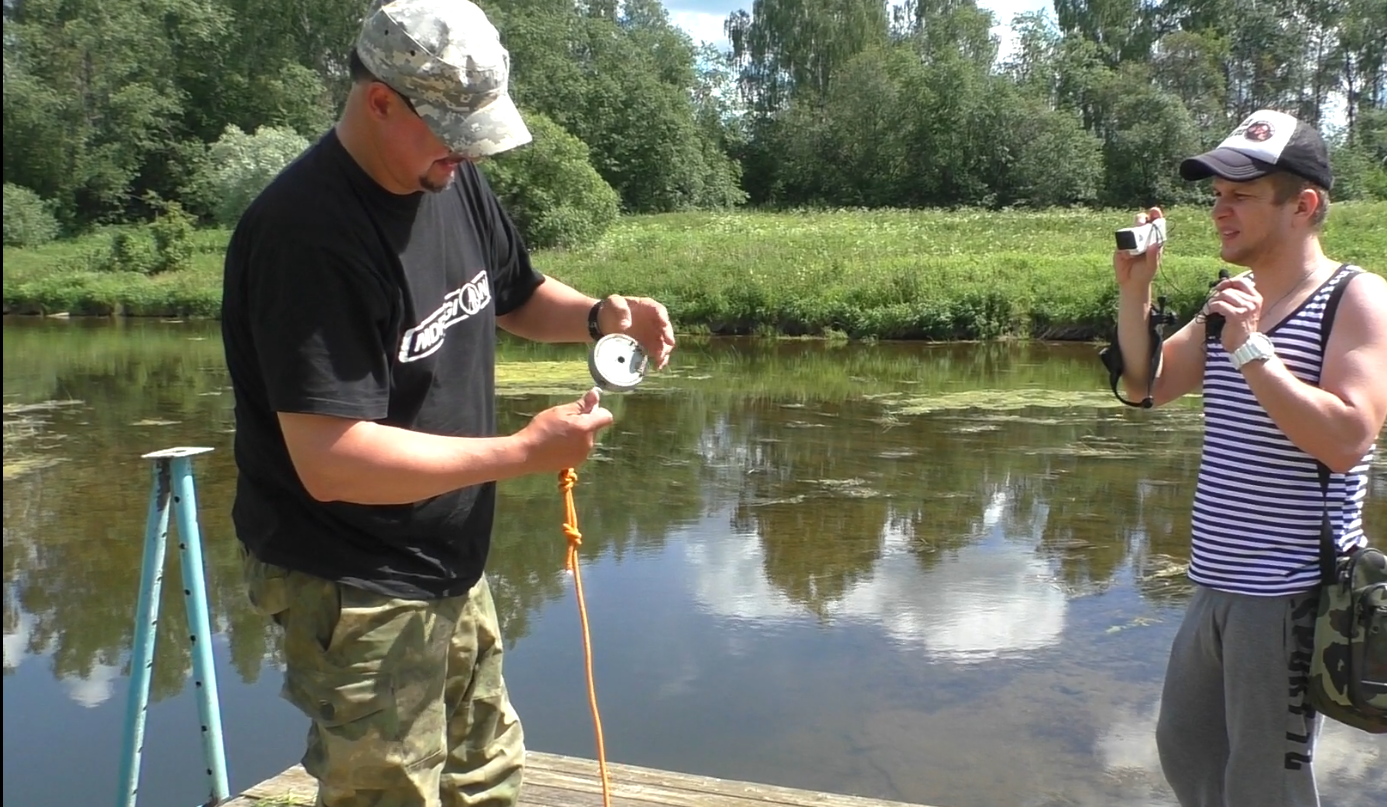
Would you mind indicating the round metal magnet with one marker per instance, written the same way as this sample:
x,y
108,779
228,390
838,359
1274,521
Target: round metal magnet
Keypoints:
x,y
617,362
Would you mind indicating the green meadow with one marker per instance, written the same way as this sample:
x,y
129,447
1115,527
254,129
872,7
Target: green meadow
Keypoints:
x,y
882,274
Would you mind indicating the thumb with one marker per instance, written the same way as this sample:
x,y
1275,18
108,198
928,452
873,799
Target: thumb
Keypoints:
x,y
621,311
589,401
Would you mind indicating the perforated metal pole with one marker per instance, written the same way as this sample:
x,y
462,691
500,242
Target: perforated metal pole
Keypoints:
x,y
146,618
172,486
199,628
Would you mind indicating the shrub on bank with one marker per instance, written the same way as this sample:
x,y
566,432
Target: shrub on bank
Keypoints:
x,y
550,189
29,220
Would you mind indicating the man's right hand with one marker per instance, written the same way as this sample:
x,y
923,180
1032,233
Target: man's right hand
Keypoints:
x,y
1135,272
563,436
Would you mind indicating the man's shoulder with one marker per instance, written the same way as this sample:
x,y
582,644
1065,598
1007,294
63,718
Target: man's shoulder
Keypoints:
x,y
1356,308
310,190
1363,287
308,208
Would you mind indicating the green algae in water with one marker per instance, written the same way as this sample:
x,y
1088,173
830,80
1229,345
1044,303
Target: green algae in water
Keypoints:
x,y
20,466
543,378
998,400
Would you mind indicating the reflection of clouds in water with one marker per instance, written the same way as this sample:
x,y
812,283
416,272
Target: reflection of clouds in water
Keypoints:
x,y
95,689
17,641
985,600
1346,760
90,691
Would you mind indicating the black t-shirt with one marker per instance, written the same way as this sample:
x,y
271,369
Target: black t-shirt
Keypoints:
x,y
340,298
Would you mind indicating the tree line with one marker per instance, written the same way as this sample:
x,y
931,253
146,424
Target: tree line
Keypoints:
x,y
116,110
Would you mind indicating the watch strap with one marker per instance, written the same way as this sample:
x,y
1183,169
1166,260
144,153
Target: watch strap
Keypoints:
x,y
594,330
1258,347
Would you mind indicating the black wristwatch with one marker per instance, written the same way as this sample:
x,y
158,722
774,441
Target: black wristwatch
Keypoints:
x,y
593,329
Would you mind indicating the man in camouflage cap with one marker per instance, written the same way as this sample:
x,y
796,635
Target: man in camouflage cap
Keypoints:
x,y
448,60
362,292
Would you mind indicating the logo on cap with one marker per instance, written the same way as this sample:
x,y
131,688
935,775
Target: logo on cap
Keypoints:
x,y
1259,131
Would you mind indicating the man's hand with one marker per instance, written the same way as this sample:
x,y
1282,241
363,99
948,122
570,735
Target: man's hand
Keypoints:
x,y
1135,272
1238,300
642,319
563,436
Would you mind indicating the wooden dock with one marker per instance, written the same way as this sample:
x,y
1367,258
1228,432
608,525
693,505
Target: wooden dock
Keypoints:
x,y
558,781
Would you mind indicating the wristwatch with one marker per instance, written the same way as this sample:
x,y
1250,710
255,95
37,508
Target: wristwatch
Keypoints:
x,y
594,330
1258,347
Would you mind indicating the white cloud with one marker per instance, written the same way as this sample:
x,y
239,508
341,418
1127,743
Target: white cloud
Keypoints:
x,y
989,599
96,688
16,642
702,26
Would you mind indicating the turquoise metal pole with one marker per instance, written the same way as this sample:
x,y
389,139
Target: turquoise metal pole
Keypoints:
x,y
199,628
146,617
172,485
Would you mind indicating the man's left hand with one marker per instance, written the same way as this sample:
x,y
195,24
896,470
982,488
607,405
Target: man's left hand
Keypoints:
x,y
642,319
1238,300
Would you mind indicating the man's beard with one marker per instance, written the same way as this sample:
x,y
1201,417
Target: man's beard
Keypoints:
x,y
434,187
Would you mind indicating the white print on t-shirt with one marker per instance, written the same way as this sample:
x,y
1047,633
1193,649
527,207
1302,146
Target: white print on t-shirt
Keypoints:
x,y
459,305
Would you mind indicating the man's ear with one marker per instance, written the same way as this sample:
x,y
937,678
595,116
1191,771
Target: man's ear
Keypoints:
x,y
379,99
1307,203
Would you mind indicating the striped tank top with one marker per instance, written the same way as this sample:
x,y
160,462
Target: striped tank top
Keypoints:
x,y
1258,505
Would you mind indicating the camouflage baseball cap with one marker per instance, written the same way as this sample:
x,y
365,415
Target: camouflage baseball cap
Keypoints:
x,y
446,57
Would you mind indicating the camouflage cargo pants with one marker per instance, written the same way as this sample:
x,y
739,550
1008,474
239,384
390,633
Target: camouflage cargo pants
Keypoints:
x,y
406,698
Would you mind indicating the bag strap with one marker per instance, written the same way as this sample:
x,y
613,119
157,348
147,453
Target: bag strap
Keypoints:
x,y
1328,551
1111,356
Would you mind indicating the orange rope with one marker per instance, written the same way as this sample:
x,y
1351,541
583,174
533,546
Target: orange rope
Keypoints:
x,y
570,530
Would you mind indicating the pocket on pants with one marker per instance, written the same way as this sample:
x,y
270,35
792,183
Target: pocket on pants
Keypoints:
x,y
356,707
358,666
359,741
267,587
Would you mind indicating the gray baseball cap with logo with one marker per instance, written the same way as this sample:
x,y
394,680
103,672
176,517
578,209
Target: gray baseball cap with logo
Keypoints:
x,y
446,57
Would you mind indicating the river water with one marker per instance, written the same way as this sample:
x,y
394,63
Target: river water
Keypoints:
x,y
945,574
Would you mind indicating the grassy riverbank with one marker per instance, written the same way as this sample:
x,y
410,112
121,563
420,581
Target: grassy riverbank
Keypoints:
x,y
861,274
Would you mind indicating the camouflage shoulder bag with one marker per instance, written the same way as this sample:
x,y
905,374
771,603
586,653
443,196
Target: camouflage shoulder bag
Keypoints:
x,y
1348,670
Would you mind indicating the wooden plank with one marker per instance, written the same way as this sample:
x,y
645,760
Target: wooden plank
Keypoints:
x,y
680,789
552,780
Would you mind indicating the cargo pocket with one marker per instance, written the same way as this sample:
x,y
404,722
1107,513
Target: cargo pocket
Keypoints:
x,y
267,586
356,708
356,742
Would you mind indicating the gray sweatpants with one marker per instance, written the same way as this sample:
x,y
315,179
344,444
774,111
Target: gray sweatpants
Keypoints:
x,y
1235,729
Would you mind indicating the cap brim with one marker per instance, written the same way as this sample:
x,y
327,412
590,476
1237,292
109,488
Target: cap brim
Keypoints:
x,y
1226,163
491,130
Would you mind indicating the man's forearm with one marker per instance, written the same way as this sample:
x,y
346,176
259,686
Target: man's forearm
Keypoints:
x,y
556,312
1317,422
370,463
1133,337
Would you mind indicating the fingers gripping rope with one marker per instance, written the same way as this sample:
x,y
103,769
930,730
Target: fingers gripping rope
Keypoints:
x,y
567,478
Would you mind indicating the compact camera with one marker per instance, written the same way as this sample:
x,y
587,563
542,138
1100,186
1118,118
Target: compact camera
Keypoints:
x,y
1136,240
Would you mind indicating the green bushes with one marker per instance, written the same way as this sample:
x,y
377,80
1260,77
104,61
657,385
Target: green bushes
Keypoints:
x,y
29,220
238,166
551,190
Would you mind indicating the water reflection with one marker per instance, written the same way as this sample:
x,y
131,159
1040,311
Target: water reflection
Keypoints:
x,y
939,541
988,599
1127,749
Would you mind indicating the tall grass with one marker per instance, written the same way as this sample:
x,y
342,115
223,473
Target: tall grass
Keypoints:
x,y
859,274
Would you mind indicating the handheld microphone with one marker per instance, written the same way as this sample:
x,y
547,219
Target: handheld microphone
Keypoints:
x,y
1213,323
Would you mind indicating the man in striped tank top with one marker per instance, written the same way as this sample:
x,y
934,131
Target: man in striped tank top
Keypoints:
x,y
1235,729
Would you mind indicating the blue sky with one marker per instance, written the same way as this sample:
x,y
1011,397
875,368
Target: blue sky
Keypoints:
x,y
703,19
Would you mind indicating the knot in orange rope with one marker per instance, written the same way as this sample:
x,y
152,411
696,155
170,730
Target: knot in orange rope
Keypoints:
x,y
567,478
